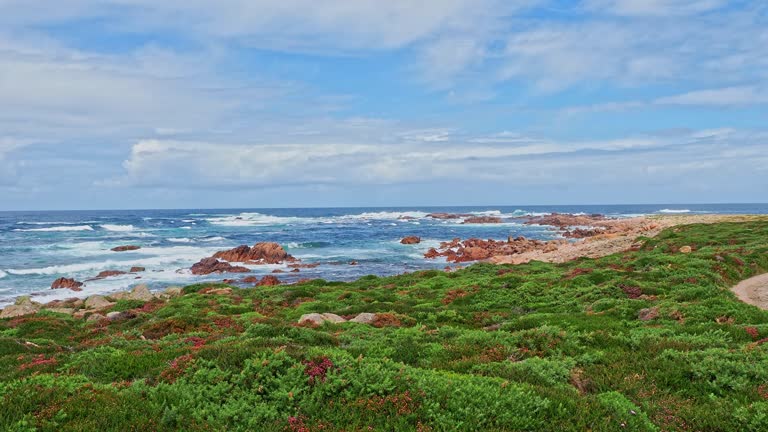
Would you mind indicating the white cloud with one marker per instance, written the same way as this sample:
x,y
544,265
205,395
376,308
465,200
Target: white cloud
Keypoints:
x,y
654,7
503,157
729,96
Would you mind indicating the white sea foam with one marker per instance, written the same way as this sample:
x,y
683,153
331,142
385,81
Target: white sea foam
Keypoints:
x,y
157,257
52,223
118,228
674,211
386,215
3,274
213,239
253,219
180,240
59,228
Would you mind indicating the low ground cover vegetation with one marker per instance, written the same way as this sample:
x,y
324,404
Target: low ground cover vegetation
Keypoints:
x,y
645,340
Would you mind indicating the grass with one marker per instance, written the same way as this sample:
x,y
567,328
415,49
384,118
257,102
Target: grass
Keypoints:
x,y
552,347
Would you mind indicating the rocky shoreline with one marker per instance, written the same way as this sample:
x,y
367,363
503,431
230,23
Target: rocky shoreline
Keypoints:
x,y
591,236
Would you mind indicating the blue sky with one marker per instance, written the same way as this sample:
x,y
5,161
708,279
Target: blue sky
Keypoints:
x,y
291,103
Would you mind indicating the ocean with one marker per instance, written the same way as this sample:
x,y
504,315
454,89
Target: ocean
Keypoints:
x,y
38,247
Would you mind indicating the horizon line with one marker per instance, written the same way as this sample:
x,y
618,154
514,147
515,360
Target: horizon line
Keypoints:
x,y
384,207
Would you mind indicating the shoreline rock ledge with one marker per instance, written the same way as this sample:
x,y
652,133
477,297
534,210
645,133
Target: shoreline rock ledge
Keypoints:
x,y
260,253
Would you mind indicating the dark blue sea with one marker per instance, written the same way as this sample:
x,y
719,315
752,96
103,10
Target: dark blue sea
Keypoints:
x,y
38,247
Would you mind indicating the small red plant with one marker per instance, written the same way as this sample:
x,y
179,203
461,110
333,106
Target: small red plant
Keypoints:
x,y
38,360
753,332
196,341
317,368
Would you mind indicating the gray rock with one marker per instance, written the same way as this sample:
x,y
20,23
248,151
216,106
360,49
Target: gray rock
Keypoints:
x,y
97,302
18,310
174,291
118,316
333,318
314,318
95,317
364,318
140,292
119,295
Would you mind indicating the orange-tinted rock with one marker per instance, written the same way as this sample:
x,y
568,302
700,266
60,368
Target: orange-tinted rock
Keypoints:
x,y
260,253
137,269
268,280
410,240
563,220
447,216
474,249
125,248
212,265
66,283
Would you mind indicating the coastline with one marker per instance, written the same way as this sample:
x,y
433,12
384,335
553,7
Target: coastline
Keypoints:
x,y
621,235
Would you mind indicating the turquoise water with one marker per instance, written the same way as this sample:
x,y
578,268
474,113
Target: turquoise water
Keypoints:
x,y
38,247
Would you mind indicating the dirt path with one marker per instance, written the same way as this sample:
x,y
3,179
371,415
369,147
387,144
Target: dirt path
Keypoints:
x,y
753,291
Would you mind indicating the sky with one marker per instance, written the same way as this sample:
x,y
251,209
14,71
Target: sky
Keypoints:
x,y
109,104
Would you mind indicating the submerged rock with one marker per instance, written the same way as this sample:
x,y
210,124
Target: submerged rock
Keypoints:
x,y
125,248
410,240
68,283
212,265
482,220
109,273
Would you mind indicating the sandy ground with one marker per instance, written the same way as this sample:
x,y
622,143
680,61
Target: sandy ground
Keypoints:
x,y
753,291
606,244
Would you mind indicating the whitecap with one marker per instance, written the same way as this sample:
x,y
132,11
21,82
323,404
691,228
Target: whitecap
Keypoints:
x,y
384,215
674,211
251,219
180,240
213,239
3,274
118,228
59,228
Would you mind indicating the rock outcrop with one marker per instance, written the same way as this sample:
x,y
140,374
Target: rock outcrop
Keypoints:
x,y
411,240
212,265
268,280
474,249
260,253
67,283
563,220
23,306
137,269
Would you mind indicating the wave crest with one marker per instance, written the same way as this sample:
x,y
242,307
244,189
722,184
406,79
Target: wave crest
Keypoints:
x,y
58,228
